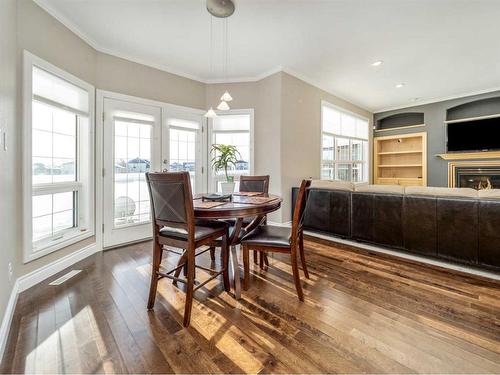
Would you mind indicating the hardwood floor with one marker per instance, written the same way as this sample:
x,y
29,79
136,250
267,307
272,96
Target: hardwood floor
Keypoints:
x,y
363,313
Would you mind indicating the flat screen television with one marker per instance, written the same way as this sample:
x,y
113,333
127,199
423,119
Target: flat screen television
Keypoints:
x,y
477,135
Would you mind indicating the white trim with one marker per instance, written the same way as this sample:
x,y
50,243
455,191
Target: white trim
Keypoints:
x,y
256,78
30,60
7,319
37,276
437,100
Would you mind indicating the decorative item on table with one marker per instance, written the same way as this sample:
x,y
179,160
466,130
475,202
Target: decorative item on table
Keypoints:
x,y
216,197
224,157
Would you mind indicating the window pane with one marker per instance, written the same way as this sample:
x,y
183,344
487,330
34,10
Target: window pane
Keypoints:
x,y
41,143
342,149
328,148
343,172
54,150
327,171
132,152
183,152
53,213
64,122
357,150
63,220
358,172
42,116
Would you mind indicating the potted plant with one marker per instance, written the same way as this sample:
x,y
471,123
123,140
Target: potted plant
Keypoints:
x,y
224,157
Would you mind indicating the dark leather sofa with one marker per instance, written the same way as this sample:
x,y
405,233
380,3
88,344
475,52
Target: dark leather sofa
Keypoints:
x,y
451,224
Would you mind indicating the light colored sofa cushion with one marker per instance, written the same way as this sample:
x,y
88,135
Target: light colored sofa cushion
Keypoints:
x,y
489,194
385,189
441,191
332,185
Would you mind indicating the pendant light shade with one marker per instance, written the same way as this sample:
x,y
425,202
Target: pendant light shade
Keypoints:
x,y
226,97
223,106
211,113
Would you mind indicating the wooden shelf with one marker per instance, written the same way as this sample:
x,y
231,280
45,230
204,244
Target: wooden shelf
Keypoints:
x,y
400,152
400,159
399,165
399,128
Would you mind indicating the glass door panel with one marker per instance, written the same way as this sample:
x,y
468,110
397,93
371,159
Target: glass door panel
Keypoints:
x,y
130,151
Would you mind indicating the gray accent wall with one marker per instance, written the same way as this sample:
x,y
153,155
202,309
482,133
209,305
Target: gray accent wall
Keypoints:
x,y
434,117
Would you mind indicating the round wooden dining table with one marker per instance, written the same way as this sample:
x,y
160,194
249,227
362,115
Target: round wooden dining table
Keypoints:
x,y
241,205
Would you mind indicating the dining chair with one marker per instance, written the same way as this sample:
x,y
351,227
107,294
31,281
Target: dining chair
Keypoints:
x,y
174,225
258,184
271,238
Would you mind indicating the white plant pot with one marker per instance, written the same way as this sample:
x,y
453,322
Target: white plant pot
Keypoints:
x,y
227,187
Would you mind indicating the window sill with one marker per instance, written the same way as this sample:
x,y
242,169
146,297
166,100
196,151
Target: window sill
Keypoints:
x,y
49,246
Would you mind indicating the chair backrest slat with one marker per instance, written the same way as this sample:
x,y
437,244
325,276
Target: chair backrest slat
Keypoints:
x,y
171,199
254,184
300,206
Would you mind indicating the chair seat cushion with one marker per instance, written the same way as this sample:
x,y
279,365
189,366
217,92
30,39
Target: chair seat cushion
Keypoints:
x,y
203,229
268,235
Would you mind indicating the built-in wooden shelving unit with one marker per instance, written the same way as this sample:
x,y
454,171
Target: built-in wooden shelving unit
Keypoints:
x,y
401,159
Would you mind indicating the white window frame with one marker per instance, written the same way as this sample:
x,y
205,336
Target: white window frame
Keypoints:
x,y
73,235
232,112
366,163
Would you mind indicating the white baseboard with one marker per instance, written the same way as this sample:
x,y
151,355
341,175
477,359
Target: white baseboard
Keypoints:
x,y
7,318
37,276
400,254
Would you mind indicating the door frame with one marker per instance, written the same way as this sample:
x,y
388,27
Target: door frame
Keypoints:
x,y
99,147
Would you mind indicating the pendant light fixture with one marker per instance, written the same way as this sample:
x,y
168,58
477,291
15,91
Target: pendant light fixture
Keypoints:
x,y
220,9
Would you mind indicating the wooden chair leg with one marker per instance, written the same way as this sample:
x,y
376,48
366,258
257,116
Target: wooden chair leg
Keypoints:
x,y
261,260
246,267
295,271
182,259
255,257
212,252
157,255
225,264
266,260
189,285
302,256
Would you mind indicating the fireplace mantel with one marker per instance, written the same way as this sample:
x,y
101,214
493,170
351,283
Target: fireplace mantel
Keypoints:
x,y
470,155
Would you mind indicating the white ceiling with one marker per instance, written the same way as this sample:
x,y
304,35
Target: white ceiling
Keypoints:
x,y
438,48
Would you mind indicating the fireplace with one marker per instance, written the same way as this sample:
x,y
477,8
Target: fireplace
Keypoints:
x,y
475,175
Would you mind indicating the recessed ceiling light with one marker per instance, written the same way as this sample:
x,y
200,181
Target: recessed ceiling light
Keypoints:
x,y
377,63
399,85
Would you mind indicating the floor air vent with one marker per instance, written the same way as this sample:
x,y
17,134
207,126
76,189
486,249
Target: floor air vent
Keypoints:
x,y
65,277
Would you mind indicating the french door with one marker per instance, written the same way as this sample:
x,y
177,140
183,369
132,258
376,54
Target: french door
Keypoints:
x,y
132,142
182,146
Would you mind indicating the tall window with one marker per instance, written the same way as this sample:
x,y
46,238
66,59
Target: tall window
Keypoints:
x,y
344,145
58,158
233,129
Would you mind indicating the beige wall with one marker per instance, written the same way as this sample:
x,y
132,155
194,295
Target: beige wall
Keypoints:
x,y
264,97
9,176
301,133
126,77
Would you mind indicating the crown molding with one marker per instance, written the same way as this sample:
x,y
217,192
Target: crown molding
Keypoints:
x,y
322,87
438,99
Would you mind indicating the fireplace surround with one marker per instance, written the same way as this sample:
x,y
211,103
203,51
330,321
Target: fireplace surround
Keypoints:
x,y
477,175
